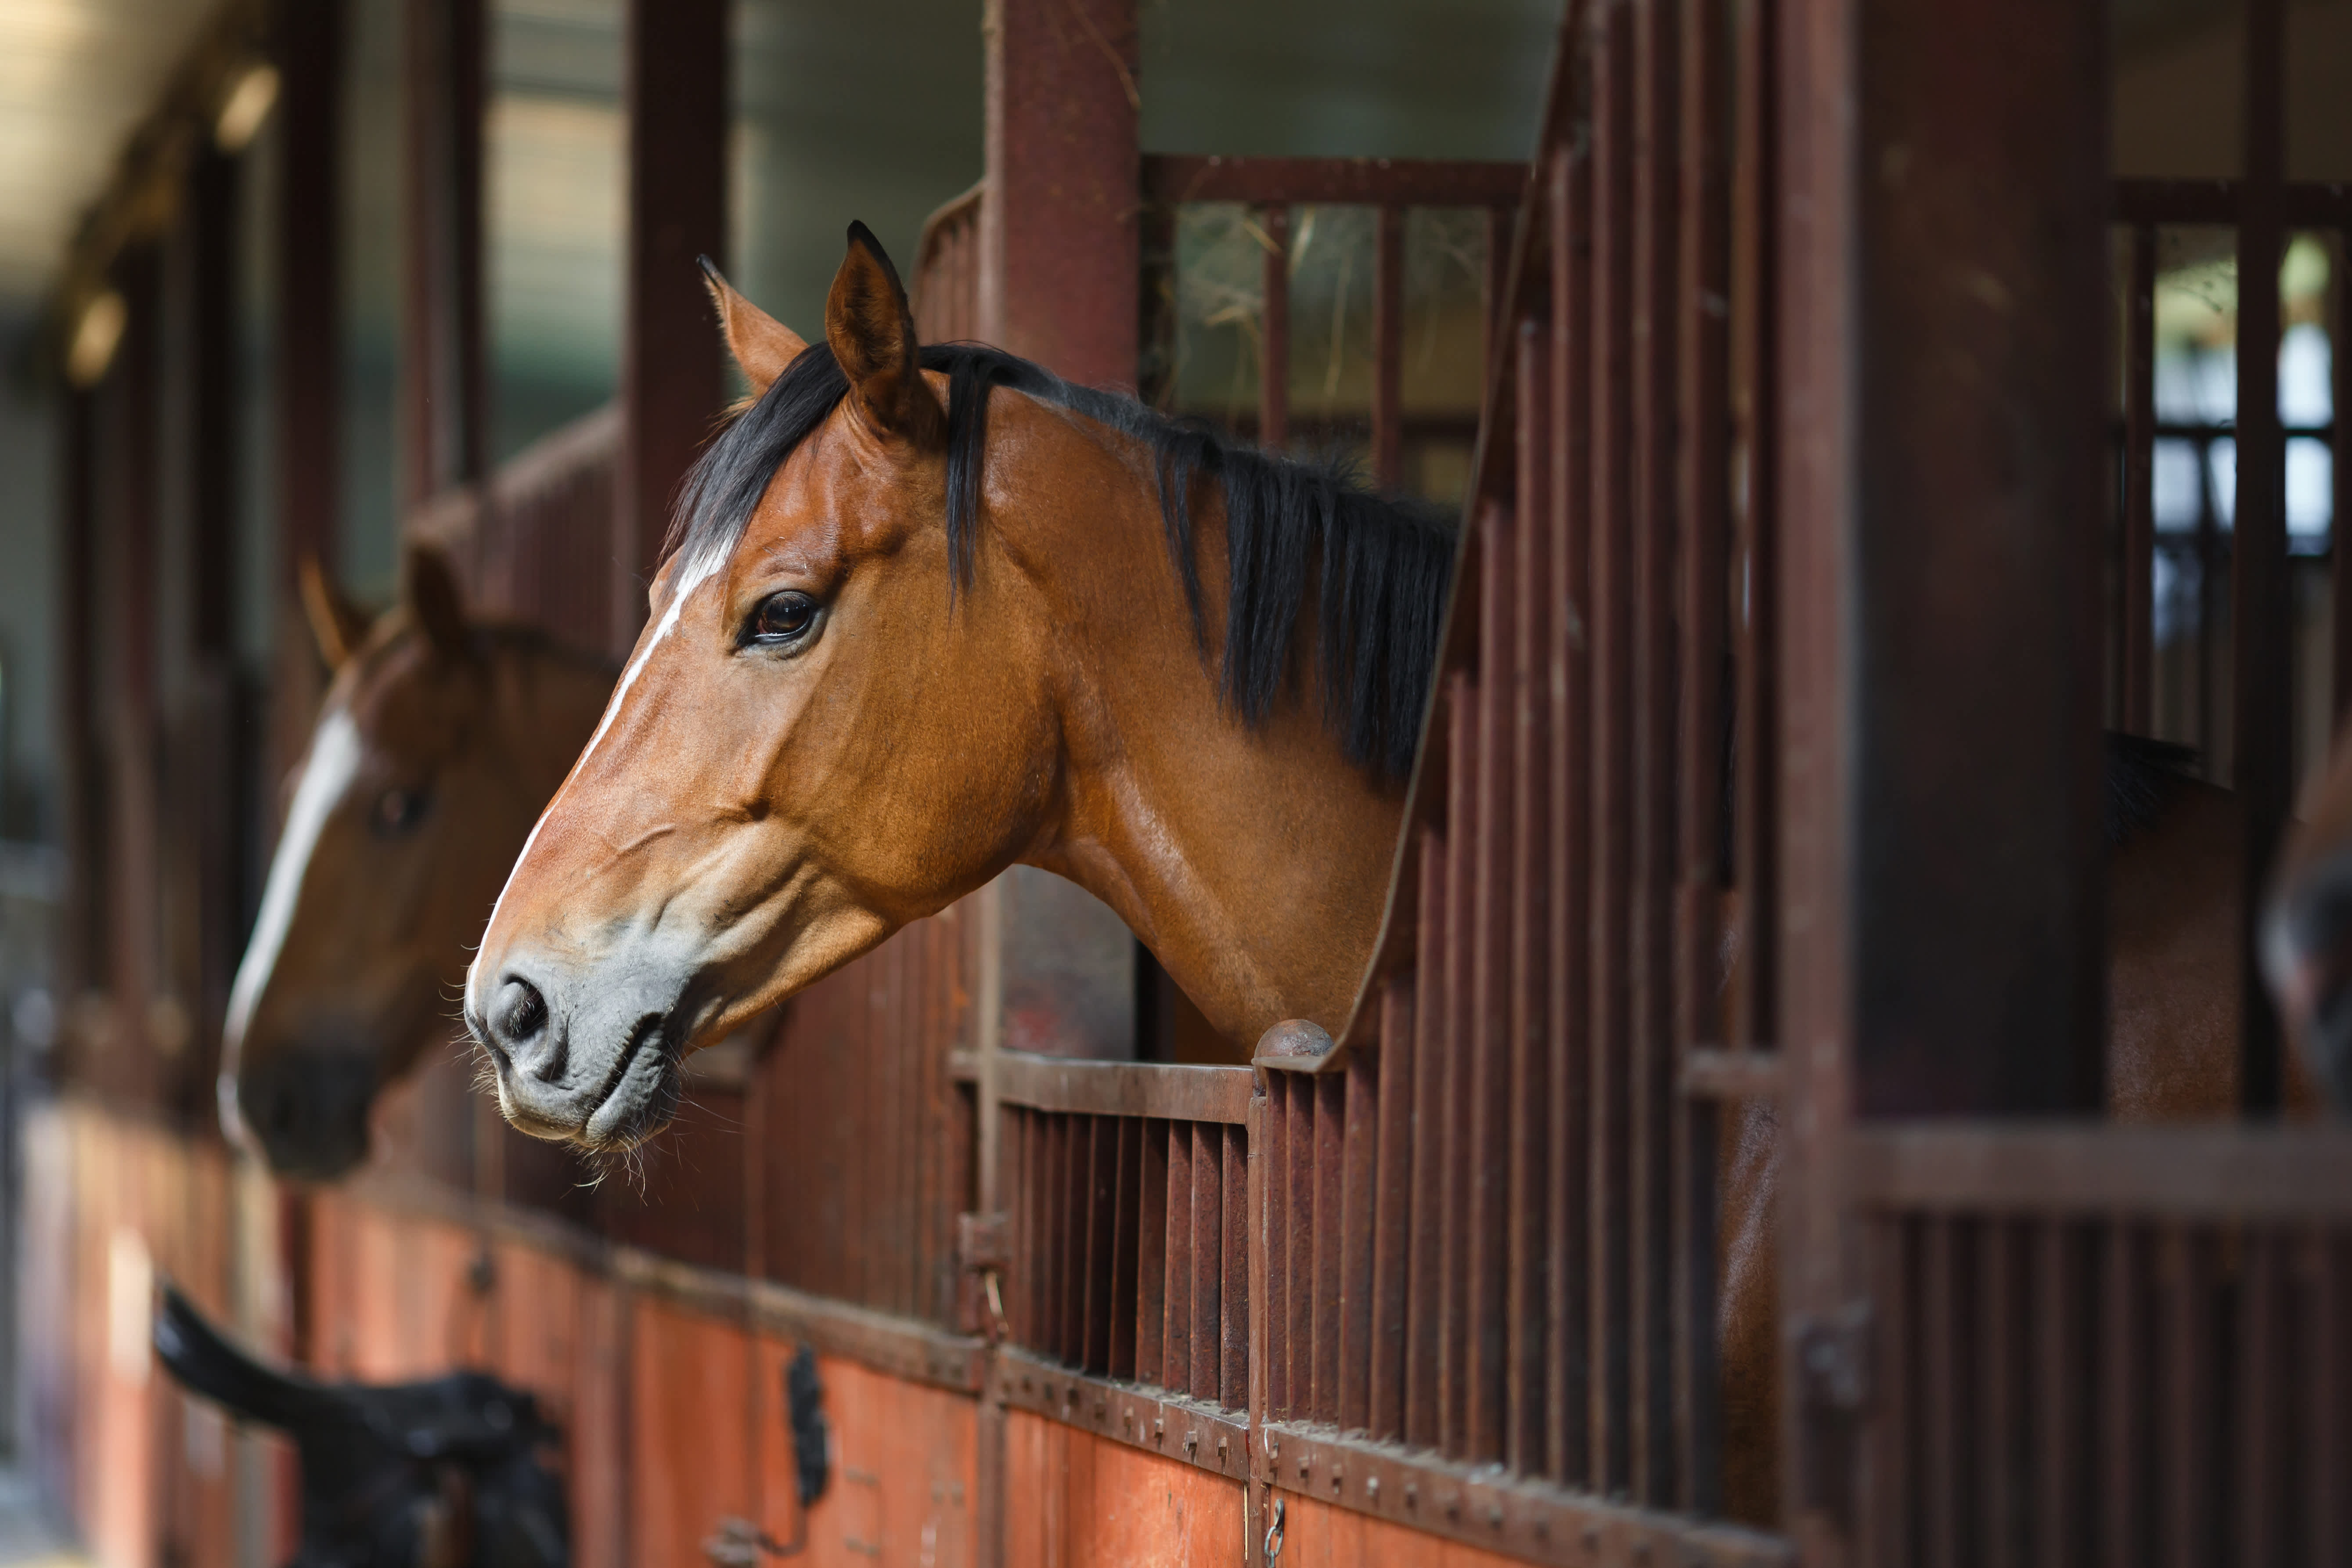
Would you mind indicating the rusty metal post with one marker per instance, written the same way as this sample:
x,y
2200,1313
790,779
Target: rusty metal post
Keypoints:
x,y
672,363
442,376
1942,387
2262,748
1060,246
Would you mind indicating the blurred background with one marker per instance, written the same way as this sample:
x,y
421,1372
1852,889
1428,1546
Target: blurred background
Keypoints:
x,y
225,243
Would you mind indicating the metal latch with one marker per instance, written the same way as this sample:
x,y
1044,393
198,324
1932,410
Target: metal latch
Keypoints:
x,y
982,1250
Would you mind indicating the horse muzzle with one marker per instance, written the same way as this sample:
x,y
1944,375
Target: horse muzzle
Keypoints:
x,y
580,1057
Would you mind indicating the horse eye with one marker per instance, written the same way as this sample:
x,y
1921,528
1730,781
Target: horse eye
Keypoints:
x,y
781,618
399,810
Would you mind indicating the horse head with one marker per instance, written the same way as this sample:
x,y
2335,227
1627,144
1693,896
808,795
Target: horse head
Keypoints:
x,y
2307,928
438,742
910,633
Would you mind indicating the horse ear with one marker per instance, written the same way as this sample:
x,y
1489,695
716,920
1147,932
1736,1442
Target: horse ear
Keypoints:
x,y
337,625
429,593
762,345
871,328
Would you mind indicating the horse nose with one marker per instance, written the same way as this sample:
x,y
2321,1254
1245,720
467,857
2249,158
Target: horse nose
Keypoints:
x,y
519,1033
309,1109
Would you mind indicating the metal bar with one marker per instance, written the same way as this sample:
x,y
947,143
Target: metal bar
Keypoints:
x,y
1330,1288
1494,308
1568,1000
1393,1161
1609,1260
1274,336
1425,1221
1894,1527
1126,1215
1172,1427
2216,1172
2186,1409
1125,1089
2257,1451
308,281
1207,1260
1753,480
2001,1435
1064,1235
672,379
1358,1177
2339,514
1298,1196
2138,624
1151,1258
2167,203
2125,1475
1234,1299
2057,1393
1498,1515
1387,348
1176,1304
1943,1462
2322,1389
1486,1071
2262,747
1456,1153
1342,182
1527,1101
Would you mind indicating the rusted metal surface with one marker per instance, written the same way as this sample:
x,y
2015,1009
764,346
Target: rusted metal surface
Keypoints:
x,y
1173,1424
2187,1174
1125,1089
672,381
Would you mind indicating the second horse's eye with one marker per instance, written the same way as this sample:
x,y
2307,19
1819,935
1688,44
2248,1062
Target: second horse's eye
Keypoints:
x,y
397,811
781,618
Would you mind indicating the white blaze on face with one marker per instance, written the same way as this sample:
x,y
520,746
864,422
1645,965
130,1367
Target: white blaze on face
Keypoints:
x,y
327,776
691,576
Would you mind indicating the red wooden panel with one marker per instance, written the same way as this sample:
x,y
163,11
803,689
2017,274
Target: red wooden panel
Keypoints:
x,y
1320,1535
903,1478
691,1405
1076,1501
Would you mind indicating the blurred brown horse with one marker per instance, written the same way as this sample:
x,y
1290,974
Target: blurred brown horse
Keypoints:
x,y
1185,675
439,743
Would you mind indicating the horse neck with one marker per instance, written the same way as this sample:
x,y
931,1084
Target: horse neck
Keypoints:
x,y
1254,862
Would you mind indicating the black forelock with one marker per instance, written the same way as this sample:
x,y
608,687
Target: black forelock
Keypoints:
x,y
1376,566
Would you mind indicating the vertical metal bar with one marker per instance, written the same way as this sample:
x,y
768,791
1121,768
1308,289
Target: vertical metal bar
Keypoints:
x,y
1391,1209
1891,1532
1568,1000
672,373
2262,748
1126,1215
2256,1452
2126,1433
309,385
1330,1281
1234,1300
1654,863
1207,1260
1262,1325
1301,1194
2061,1382
1754,481
1943,1393
2138,586
1388,348
1527,1098
1497,278
1102,1240
2187,1410
1358,1190
1064,1135
1426,1222
1274,338
1702,339
2339,514
1458,1154
1610,1260
2321,1384
1485,1154
2000,1434
1269,1170
1151,1258
1176,1329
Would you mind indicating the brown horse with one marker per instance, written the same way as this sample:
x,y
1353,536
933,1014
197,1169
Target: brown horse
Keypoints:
x,y
881,669
2307,929
439,743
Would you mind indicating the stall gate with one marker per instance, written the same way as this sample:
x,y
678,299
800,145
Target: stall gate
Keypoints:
x,y
1461,1281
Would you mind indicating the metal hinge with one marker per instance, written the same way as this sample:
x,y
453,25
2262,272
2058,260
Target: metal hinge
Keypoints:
x,y
1833,1390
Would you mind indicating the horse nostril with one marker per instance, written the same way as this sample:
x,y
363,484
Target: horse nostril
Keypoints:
x,y
522,1011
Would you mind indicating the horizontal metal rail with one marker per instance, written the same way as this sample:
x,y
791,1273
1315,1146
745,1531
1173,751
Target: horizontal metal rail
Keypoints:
x,y
2302,203
1085,1087
1148,1418
1359,182
2169,1173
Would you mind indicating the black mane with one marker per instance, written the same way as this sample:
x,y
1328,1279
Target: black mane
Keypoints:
x,y
1379,565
